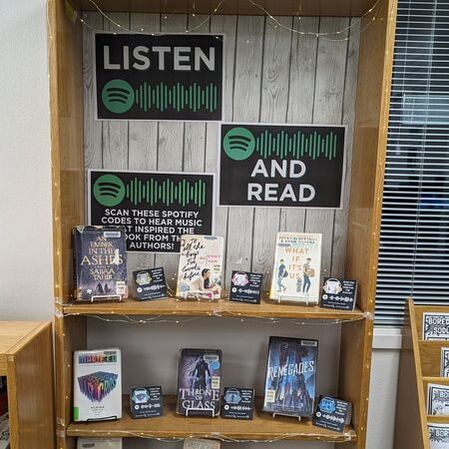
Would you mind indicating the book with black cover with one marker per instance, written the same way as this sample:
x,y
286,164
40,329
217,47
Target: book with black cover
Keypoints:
x,y
100,266
291,376
199,382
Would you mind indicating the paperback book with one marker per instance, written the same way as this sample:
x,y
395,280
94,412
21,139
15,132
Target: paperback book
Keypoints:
x,y
200,267
199,382
438,436
438,399
100,267
4,431
291,376
444,369
435,326
97,385
297,267
99,443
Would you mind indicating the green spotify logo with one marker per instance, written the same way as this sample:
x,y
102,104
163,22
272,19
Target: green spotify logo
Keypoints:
x,y
118,96
109,190
239,143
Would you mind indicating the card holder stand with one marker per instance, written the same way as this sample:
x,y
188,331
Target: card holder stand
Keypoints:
x,y
211,410
106,418
274,414
293,300
103,298
197,295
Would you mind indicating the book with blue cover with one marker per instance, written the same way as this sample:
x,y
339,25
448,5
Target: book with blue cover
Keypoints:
x,y
291,376
100,263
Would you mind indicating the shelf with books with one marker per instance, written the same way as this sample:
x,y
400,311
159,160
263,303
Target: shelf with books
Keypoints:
x,y
222,308
262,428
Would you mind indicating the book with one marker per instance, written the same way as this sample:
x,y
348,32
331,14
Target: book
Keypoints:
x,y
99,443
291,376
200,267
438,436
199,382
444,368
438,399
435,326
194,443
100,267
4,431
97,385
297,268
3,396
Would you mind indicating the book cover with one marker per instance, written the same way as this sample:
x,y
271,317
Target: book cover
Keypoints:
x,y
437,399
99,443
444,369
200,267
199,382
435,326
297,268
97,385
100,266
291,376
438,436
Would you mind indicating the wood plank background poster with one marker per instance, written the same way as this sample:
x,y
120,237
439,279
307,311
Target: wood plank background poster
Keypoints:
x,y
271,75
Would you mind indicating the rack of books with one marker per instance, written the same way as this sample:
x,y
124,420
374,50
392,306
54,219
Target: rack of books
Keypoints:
x,y
26,384
422,416
101,278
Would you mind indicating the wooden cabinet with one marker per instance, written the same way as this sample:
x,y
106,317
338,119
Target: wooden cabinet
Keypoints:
x,y
26,359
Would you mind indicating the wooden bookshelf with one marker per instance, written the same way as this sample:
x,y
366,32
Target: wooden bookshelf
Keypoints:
x,y
222,308
362,225
26,359
262,428
419,366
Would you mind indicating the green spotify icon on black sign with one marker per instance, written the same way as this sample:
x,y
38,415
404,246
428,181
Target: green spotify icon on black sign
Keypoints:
x,y
109,190
118,96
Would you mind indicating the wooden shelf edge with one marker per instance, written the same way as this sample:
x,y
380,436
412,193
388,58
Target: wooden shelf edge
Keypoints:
x,y
221,308
173,426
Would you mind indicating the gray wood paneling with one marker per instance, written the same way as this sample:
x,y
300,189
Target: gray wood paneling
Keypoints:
x,y
272,75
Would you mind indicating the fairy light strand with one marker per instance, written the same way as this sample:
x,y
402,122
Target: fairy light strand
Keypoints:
x,y
277,23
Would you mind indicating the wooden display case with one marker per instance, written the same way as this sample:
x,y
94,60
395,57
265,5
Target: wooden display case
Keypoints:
x,y
363,224
26,359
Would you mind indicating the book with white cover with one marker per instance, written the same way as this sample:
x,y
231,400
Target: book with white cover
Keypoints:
x,y
297,268
438,400
200,267
438,436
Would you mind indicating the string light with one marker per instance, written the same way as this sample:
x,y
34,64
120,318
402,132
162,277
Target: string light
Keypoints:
x,y
277,23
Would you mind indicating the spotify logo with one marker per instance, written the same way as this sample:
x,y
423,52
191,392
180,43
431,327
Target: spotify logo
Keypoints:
x,y
239,144
109,190
118,96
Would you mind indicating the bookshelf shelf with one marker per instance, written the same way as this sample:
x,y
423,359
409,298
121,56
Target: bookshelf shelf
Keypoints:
x,y
26,359
221,308
262,428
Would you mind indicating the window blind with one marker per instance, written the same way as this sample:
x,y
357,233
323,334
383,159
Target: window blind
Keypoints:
x,y
414,242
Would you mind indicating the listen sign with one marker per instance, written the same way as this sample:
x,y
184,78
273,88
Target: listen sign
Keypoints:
x,y
159,77
281,165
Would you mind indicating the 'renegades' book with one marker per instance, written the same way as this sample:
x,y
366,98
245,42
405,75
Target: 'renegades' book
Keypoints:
x,y
297,268
199,382
100,267
97,385
291,376
99,443
200,267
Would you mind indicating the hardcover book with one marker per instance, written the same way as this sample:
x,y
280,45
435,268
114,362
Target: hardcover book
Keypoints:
x,y
100,267
99,443
297,267
444,369
438,436
97,385
199,382
200,267
290,376
437,399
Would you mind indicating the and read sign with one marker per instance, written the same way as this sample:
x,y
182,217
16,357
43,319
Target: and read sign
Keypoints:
x,y
159,77
155,208
281,165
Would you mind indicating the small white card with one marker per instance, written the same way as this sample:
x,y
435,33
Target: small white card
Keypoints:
x,y
435,326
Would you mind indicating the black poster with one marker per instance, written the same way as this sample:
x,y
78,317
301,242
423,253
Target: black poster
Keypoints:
x,y
155,208
281,165
159,77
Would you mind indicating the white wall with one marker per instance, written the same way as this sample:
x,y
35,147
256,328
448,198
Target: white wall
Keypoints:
x,y
25,182
25,193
